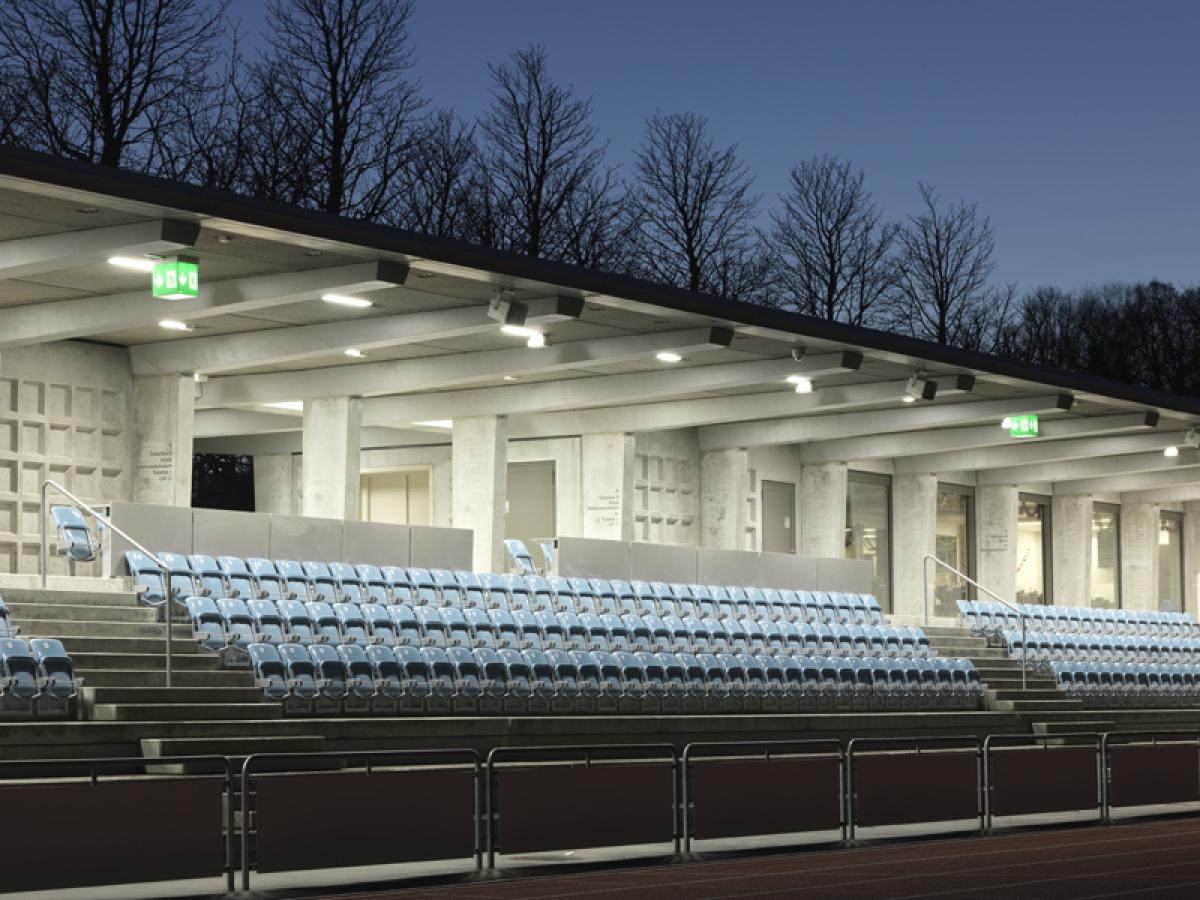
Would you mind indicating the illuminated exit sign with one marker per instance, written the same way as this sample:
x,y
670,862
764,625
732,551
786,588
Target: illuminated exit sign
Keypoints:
x,y
175,279
1021,426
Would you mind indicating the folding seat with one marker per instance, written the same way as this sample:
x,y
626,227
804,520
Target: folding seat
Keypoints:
x,y
495,593
575,634
207,625
706,608
843,640
576,681
754,675
417,679
467,680
518,679
297,622
326,625
332,678
447,584
493,675
504,627
640,638
388,677
433,628
270,673
57,682
303,680
826,607
719,696
792,677
268,582
697,635
681,638
586,596
618,636
360,677
726,609
208,575
830,695
620,592
595,634
660,634
792,611
843,608
238,580
531,632
874,611
566,600
405,625
458,632
400,586
860,643
738,640
520,560
353,624
442,678
425,589
380,629
759,607
657,694
553,635
482,630
519,595
474,594
681,597
919,642
773,639
718,636
267,622
633,697
810,638
295,581
644,601
374,586
149,580
325,585
789,634
348,584
543,681
861,675
756,641
773,606
857,607
7,628
237,623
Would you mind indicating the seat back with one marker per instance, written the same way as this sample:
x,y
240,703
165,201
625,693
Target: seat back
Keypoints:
x,y
322,580
349,583
270,582
208,575
301,670
520,560
295,580
74,537
237,576
56,671
270,673
332,672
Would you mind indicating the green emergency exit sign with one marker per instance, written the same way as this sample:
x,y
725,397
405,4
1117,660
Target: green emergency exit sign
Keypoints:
x,y
175,279
1022,426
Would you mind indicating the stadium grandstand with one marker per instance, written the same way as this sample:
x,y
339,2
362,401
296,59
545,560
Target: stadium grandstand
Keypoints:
x,y
517,531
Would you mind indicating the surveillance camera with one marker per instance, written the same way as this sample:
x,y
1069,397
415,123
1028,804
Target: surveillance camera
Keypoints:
x,y
798,353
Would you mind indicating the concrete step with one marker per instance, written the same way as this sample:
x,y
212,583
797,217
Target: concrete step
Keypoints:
x,y
215,694
157,748
1065,727
86,660
945,631
183,712
14,582
971,652
36,596
67,629
84,644
1030,694
1037,705
138,679
80,612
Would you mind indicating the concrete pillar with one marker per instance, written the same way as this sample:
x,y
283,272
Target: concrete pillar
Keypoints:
x,y
480,485
823,510
724,487
1139,555
914,536
1191,557
331,441
1071,540
163,412
996,512
273,474
608,465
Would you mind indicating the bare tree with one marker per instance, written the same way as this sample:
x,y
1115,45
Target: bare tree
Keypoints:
x,y
694,208
943,267
831,247
540,150
437,180
98,75
336,76
13,108
598,229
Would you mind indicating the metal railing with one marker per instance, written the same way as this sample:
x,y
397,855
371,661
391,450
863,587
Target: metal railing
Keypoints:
x,y
971,581
107,522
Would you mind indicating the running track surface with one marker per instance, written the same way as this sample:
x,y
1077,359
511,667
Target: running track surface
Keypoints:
x,y
1147,860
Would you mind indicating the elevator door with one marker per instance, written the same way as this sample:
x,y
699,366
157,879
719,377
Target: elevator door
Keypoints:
x,y
779,517
531,509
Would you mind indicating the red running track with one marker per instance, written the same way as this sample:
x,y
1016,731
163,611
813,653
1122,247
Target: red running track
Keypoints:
x,y
1151,860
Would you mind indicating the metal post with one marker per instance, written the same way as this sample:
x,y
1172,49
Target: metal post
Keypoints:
x,y
230,799
168,611
45,552
246,822
1024,653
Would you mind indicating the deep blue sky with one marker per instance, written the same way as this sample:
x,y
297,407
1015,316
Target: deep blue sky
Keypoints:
x,y
1074,125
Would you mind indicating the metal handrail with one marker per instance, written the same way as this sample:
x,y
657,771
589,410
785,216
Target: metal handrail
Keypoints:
x,y
971,581
107,522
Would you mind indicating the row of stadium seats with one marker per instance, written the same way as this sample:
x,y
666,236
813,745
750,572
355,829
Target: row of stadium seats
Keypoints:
x,y
1110,684
231,623
989,619
1048,647
256,578
36,677
322,678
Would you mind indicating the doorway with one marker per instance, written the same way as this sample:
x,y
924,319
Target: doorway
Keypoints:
x,y
531,512
778,517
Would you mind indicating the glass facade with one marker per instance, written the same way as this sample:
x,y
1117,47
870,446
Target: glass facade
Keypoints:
x,y
868,529
1033,549
955,540
1106,556
1170,561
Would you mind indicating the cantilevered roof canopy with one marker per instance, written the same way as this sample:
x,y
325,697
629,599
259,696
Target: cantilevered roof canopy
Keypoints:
x,y
431,350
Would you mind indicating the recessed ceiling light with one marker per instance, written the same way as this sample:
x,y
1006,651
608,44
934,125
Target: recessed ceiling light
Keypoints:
x,y
510,377
908,398
803,385
175,325
346,300
1171,451
536,341
518,331
435,423
296,405
137,263
224,238
668,357
355,352
88,210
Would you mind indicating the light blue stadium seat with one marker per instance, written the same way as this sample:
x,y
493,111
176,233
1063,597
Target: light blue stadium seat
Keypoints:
x,y
388,675
519,678
326,625
450,591
207,625
208,575
74,538
353,624
298,622
520,560
296,581
542,598
7,628
433,629
267,621
495,591
474,595
270,672
19,685
519,596
148,579
458,633
325,585
332,675
379,624
302,673
425,589
237,577
270,583
237,622
57,680
400,586
360,675
349,583
374,585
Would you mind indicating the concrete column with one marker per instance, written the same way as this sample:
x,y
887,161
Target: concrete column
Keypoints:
x,y
1191,557
914,536
480,485
996,512
273,485
724,486
1071,540
608,465
1139,555
823,510
163,412
331,442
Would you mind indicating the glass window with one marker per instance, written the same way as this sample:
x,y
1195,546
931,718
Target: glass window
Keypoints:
x,y
955,540
1033,549
868,527
1106,555
1170,561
